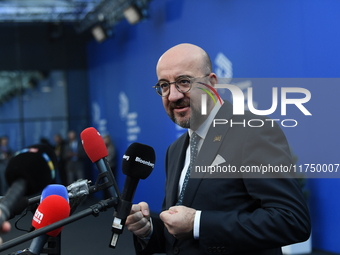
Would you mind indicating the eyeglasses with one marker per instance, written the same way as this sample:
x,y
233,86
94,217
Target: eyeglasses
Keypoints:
x,y
183,84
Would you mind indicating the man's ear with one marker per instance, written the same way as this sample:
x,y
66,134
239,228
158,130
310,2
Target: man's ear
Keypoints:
x,y
213,79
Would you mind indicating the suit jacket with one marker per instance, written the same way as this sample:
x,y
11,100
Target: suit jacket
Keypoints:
x,y
68,151
242,213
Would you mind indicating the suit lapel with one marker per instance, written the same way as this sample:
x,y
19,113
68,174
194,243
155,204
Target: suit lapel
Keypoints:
x,y
209,151
175,167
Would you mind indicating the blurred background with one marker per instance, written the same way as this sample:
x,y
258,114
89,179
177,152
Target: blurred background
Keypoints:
x,y
69,65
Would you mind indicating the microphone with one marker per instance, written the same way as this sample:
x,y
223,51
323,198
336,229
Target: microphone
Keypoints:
x,y
24,202
54,189
96,150
138,163
27,173
52,209
74,191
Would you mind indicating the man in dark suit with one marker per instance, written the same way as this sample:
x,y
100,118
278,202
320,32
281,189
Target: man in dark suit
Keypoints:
x,y
230,212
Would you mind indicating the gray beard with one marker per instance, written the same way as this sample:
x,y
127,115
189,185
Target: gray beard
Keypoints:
x,y
194,121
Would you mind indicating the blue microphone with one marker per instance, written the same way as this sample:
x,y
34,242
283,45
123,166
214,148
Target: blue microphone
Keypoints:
x,y
54,189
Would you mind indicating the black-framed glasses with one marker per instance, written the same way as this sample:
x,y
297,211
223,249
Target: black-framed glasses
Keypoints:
x,y
183,84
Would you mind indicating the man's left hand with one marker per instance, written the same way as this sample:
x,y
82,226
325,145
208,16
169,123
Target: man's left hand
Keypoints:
x,y
179,220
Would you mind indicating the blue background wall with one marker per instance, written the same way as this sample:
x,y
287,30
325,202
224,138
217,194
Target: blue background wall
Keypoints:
x,y
264,39
36,114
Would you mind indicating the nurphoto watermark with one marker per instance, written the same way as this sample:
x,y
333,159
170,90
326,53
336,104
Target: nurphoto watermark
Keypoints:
x,y
242,99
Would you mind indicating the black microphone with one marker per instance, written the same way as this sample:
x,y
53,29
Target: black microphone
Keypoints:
x,y
96,150
138,163
27,173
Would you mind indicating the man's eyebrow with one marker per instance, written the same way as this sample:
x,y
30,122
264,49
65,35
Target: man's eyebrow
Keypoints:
x,y
184,76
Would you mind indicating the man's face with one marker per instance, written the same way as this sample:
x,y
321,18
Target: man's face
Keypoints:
x,y
182,108
71,135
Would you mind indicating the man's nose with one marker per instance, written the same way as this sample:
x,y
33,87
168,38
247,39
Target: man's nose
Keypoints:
x,y
174,94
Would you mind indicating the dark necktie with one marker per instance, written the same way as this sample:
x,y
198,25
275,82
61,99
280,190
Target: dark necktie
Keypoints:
x,y
194,139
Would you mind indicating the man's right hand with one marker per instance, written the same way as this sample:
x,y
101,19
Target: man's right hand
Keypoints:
x,y
138,222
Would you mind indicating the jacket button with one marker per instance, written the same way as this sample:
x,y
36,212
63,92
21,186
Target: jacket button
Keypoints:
x,y
176,250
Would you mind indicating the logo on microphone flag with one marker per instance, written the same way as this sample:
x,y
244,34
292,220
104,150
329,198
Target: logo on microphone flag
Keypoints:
x,y
38,216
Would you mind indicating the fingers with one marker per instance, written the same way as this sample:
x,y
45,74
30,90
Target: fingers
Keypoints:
x,y
6,226
166,216
168,220
135,208
179,220
140,227
145,209
138,222
134,218
142,207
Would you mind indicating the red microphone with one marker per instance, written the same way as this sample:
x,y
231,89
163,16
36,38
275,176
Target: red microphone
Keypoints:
x,y
96,150
52,209
93,144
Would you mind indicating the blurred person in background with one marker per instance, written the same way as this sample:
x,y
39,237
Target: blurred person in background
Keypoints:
x,y
74,158
59,149
45,141
112,157
5,155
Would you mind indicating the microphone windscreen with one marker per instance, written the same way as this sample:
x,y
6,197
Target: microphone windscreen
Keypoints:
x,y
93,144
138,161
52,209
54,189
35,164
